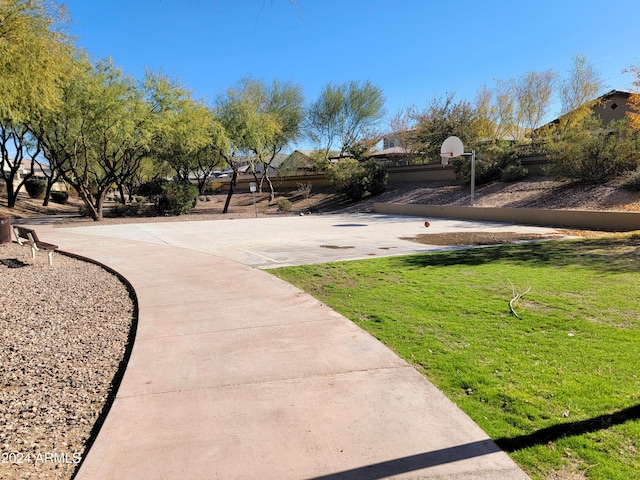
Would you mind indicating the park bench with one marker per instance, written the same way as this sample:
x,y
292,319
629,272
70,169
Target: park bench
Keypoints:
x,y
27,236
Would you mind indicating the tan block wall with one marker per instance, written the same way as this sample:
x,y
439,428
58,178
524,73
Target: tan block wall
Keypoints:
x,y
591,220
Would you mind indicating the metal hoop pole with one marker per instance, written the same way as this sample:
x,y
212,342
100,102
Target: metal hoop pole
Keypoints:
x,y
473,174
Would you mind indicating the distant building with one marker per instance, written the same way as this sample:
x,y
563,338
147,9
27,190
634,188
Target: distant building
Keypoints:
x,y
611,106
40,170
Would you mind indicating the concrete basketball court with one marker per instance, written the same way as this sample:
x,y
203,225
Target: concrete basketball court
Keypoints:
x,y
235,374
282,241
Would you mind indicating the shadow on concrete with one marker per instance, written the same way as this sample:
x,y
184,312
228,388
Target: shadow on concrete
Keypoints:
x,y
550,434
48,220
414,462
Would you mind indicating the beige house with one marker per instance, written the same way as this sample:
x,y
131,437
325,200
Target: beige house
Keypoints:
x,y
25,169
611,106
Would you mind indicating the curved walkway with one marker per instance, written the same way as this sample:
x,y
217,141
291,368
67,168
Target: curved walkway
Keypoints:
x,y
236,375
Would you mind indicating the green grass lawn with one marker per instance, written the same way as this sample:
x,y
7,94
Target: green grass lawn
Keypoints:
x,y
557,388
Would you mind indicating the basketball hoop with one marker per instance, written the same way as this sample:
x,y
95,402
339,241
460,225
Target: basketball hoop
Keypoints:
x,y
445,157
453,147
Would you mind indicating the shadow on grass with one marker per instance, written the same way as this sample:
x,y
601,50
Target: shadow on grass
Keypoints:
x,y
617,254
551,434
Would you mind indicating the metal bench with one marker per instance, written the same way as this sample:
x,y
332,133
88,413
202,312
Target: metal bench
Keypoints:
x,y
27,236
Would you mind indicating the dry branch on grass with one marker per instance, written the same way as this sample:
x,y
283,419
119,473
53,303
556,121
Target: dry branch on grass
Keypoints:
x,y
516,296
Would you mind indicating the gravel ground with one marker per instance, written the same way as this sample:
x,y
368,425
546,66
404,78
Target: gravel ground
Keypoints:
x,y
65,330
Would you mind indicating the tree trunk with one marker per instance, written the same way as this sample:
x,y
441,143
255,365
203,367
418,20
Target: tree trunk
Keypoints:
x,y
86,198
232,185
47,193
202,183
123,199
99,205
11,196
272,193
12,193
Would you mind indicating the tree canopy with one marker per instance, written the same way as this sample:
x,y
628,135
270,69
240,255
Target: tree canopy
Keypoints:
x,y
344,115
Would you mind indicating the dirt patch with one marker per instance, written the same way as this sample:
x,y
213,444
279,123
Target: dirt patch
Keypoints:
x,y
478,238
499,238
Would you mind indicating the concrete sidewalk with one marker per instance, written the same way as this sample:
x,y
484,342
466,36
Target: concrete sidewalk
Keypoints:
x,y
236,374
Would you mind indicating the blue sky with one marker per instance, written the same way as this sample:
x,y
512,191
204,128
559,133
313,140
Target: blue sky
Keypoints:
x,y
415,50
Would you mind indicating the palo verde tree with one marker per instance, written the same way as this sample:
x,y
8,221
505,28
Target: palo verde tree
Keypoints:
x,y
343,115
184,131
248,130
507,114
272,119
33,52
486,114
99,133
533,92
579,91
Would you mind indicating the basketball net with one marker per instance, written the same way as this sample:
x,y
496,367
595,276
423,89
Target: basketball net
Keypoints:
x,y
445,158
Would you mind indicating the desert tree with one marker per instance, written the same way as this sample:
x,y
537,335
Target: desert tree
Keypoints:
x,y
441,118
486,114
343,114
271,117
533,92
99,133
402,124
508,120
184,131
33,51
579,91
245,129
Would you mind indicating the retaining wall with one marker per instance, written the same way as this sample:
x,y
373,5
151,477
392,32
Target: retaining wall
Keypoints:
x,y
591,220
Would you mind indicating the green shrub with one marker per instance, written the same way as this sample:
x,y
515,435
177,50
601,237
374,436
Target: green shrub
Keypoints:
x,y
348,177
377,177
36,187
154,189
514,173
491,161
83,210
284,205
178,198
595,154
632,182
59,197
202,198
120,210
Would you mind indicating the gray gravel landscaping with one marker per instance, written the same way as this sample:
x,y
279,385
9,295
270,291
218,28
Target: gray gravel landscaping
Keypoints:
x,y
65,330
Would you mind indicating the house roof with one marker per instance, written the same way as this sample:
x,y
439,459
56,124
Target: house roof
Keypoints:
x,y
602,99
389,152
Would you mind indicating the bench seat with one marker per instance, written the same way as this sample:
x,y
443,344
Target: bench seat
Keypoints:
x,y
27,236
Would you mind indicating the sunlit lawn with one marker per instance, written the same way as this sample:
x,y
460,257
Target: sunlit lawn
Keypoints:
x,y
559,388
